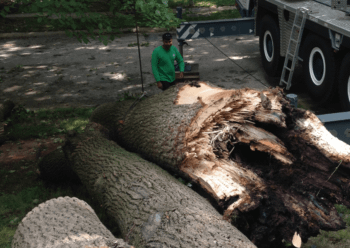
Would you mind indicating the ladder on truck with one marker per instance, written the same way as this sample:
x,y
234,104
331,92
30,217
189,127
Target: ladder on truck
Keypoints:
x,y
298,29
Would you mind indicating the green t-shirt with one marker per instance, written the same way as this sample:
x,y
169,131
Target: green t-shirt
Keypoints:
x,y
163,63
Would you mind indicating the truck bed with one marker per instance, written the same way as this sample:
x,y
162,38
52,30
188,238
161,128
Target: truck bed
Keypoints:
x,y
322,13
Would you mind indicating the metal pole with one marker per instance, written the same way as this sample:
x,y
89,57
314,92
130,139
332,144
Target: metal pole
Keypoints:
x,y
179,15
138,44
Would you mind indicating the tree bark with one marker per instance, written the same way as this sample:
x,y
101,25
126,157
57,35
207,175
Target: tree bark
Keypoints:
x,y
262,160
64,222
150,207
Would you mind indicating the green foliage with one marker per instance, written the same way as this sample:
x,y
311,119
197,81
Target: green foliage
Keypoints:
x,y
150,13
344,213
117,21
154,13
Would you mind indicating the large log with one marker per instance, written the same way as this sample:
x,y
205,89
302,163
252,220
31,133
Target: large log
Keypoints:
x,y
266,163
150,207
64,222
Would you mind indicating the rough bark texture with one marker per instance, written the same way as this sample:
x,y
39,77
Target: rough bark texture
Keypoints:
x,y
64,222
150,207
263,161
166,131
5,111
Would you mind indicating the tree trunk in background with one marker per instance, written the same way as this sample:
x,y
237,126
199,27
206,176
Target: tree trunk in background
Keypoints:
x,y
262,160
151,208
64,222
5,111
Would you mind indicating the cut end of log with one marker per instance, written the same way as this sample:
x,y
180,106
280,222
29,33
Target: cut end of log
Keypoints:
x,y
205,92
225,124
77,225
244,138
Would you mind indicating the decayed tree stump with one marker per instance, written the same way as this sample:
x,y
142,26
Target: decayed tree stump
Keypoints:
x,y
262,160
150,207
64,222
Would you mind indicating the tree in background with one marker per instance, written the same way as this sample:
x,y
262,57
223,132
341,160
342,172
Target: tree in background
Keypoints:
x,y
151,13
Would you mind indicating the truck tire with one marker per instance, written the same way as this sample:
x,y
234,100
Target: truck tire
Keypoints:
x,y
269,43
344,83
319,68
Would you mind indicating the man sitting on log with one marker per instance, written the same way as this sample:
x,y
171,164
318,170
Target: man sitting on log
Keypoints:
x,y
163,63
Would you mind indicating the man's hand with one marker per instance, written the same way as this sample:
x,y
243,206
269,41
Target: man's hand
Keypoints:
x,y
181,74
160,86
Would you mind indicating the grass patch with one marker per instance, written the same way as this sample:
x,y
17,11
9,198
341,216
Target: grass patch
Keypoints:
x,y
20,188
25,124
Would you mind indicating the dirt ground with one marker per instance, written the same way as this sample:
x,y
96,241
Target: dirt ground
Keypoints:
x,y
62,72
58,71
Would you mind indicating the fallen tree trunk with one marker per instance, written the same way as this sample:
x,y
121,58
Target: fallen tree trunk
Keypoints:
x,y
150,207
64,222
262,160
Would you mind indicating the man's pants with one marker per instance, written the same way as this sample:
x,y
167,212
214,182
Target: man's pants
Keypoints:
x,y
166,84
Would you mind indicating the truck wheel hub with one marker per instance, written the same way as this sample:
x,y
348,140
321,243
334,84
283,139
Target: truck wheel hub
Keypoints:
x,y
317,66
268,46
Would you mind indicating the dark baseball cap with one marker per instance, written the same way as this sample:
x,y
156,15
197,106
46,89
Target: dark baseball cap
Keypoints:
x,y
167,36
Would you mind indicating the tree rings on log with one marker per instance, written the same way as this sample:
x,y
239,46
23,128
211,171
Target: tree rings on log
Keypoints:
x,y
64,222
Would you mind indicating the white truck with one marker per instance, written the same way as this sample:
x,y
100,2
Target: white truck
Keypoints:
x,y
314,33
323,40
320,41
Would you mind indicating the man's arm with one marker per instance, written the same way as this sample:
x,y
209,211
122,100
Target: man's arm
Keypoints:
x,y
155,66
155,71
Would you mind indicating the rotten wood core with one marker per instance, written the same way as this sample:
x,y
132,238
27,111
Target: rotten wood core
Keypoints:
x,y
272,159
